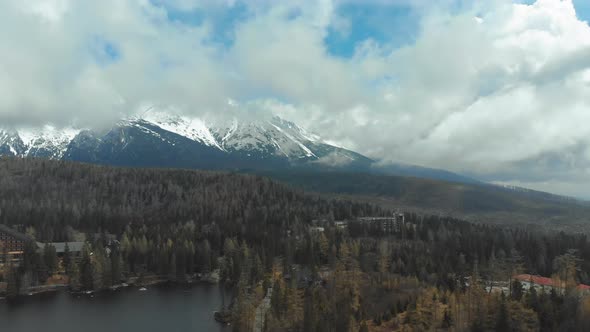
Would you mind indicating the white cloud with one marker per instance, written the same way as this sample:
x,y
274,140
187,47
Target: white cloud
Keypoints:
x,y
481,95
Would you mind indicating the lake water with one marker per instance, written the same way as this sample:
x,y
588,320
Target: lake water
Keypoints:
x,y
161,309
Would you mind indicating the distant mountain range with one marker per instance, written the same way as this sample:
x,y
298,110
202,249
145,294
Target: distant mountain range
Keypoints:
x,y
163,140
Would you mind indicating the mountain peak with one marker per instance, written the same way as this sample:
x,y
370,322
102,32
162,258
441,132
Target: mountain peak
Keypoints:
x,y
193,128
162,139
267,141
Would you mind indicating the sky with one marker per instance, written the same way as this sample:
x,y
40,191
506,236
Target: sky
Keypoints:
x,y
495,89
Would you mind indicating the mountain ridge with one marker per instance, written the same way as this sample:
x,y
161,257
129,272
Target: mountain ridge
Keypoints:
x,y
160,139
286,152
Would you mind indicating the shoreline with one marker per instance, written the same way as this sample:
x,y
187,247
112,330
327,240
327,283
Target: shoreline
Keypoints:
x,y
138,282
125,308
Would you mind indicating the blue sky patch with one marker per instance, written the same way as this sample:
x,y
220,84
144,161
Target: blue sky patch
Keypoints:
x,y
583,9
392,25
104,51
223,19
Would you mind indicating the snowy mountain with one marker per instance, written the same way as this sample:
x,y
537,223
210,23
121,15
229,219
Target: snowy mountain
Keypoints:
x,y
46,141
164,140
277,138
11,144
158,139
192,128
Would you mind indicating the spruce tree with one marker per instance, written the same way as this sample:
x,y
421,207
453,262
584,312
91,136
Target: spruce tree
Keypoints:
x,y
447,321
502,319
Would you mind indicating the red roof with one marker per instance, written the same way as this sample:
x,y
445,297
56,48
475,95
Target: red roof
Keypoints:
x,y
543,281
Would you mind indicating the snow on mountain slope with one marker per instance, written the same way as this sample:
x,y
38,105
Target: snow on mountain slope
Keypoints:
x,y
193,128
10,143
278,138
273,138
159,139
47,141
261,138
264,140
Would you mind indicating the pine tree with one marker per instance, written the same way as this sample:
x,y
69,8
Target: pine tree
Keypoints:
x,y
364,327
50,257
447,321
67,259
115,260
12,281
502,319
86,268
517,290
74,277
567,266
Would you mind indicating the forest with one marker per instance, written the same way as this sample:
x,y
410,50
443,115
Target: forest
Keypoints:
x,y
476,202
434,273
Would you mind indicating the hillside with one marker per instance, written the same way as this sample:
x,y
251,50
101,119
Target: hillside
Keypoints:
x,y
475,202
56,196
33,187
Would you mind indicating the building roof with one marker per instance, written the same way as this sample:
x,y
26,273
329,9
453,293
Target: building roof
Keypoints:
x,y
60,247
14,233
392,218
543,281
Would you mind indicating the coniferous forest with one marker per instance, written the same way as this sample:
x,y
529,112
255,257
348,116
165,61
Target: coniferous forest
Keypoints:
x,y
265,239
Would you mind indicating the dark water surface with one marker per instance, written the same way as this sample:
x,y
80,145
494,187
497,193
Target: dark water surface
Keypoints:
x,y
162,309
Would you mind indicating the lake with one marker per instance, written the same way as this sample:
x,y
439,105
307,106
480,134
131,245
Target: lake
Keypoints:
x,y
163,308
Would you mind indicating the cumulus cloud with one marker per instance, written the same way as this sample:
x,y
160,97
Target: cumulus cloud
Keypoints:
x,y
62,60
488,94
491,93
492,88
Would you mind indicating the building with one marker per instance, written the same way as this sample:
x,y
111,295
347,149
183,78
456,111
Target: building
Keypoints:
x,y
388,225
12,244
75,248
12,240
316,229
583,289
530,281
544,284
340,224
